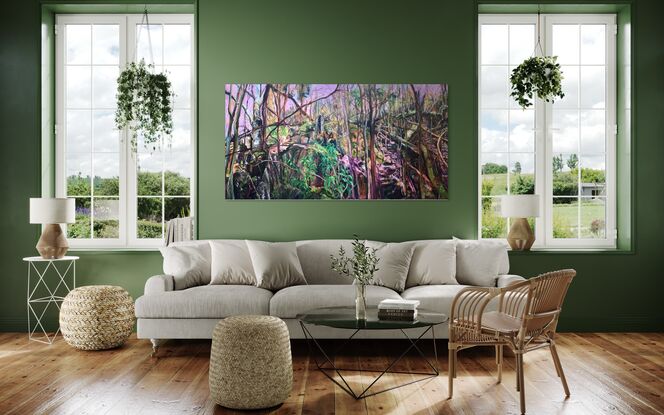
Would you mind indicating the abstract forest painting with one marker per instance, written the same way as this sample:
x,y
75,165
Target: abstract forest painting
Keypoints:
x,y
336,141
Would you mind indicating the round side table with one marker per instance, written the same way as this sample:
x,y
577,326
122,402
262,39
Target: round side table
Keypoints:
x,y
45,290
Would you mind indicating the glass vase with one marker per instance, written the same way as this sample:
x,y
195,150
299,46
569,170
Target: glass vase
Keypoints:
x,y
360,302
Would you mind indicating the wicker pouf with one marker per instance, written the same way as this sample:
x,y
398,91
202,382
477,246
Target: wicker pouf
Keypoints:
x,y
250,362
97,317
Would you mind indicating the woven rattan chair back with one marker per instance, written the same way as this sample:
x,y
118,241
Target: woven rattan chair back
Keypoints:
x,y
546,294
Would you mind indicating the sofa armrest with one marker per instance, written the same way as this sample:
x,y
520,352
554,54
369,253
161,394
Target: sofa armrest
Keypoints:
x,y
508,279
159,284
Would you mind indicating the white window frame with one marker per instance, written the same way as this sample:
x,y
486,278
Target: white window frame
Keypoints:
x,y
544,135
128,237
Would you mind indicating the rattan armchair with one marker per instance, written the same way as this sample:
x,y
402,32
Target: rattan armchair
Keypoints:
x,y
525,320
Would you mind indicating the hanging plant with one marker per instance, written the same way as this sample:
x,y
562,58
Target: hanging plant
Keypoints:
x,y
144,104
537,76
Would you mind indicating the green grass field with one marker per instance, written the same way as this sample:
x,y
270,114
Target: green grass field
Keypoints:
x,y
565,219
498,182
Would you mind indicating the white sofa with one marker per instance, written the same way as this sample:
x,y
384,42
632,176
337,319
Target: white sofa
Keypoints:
x,y
164,312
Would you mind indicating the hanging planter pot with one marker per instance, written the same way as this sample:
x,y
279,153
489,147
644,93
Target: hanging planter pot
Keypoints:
x,y
144,99
538,76
144,104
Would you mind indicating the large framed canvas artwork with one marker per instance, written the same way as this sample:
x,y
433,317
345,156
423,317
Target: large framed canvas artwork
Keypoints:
x,y
336,141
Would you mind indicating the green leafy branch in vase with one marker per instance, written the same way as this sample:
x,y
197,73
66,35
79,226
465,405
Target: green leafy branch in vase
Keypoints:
x,y
361,266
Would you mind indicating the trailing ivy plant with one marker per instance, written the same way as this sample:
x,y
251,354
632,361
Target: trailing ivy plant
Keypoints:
x,y
144,104
537,76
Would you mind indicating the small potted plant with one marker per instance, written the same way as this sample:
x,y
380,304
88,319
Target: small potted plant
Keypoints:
x,y
536,76
361,266
144,104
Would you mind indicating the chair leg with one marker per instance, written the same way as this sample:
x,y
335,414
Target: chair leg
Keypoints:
x,y
522,388
518,378
450,372
559,367
456,357
499,361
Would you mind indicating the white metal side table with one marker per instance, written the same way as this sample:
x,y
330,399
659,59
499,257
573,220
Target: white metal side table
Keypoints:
x,y
41,293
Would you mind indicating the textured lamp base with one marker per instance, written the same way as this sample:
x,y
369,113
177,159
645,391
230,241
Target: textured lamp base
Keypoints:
x,y
52,244
521,236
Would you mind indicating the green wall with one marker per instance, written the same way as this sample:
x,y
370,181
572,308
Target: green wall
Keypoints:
x,y
344,41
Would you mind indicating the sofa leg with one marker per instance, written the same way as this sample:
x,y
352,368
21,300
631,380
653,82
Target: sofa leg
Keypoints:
x,y
155,346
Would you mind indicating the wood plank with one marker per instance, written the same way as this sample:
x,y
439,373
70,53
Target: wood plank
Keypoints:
x,y
610,373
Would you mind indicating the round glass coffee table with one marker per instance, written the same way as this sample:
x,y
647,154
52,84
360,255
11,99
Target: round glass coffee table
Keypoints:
x,y
344,318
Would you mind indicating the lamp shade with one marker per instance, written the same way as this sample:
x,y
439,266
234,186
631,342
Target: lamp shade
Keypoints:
x,y
52,210
519,206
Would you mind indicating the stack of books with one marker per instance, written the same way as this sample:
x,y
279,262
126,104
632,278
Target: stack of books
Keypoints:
x,y
398,309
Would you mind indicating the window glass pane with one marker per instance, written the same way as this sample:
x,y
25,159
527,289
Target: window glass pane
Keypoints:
x,y
522,130
79,134
104,85
155,36
522,177
493,225
79,87
177,44
593,39
107,173
79,172
494,173
570,87
593,128
106,136
565,131
176,207
593,175
81,228
522,42
494,87
593,217
566,43
149,174
493,132
565,175
78,44
494,44
180,77
592,87
176,183
106,44
106,218
149,223
565,217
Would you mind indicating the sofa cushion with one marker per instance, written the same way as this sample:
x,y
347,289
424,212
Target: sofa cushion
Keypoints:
x,y
189,264
436,298
289,302
393,263
231,263
314,257
276,264
433,263
208,301
480,262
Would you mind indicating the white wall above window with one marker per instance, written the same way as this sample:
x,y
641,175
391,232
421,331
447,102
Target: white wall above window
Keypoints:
x,y
563,151
123,198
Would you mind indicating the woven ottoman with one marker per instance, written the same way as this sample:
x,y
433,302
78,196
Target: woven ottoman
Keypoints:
x,y
97,317
250,362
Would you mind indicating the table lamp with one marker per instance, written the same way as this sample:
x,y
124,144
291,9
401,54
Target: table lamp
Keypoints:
x,y
51,212
519,208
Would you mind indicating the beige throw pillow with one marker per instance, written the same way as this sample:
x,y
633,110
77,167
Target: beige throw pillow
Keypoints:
x,y
276,264
188,264
393,263
231,263
433,263
480,262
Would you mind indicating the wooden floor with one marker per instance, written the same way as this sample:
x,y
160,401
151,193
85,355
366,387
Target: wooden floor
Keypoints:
x,y
607,373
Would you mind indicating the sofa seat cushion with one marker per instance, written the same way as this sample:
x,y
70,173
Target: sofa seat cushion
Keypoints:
x,y
437,298
208,301
291,301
